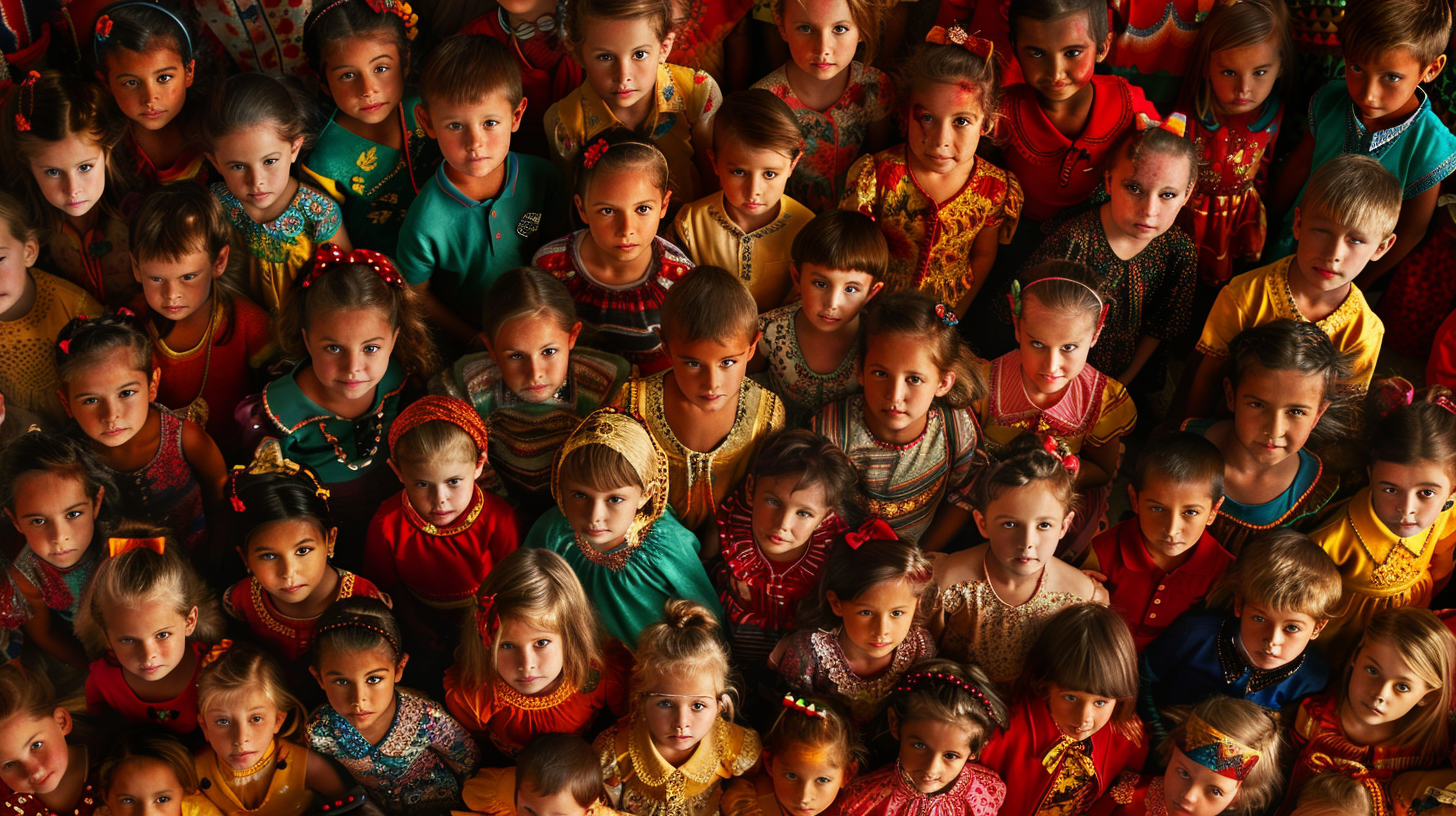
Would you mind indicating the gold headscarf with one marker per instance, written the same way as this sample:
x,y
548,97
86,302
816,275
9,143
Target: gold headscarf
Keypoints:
x,y
626,435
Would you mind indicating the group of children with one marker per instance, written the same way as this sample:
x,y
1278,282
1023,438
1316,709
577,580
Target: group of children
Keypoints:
x,y
583,439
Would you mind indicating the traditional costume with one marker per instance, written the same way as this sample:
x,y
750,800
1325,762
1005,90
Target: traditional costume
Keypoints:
x,y
283,247
641,782
275,786
107,690
760,258
288,638
1132,795
1318,731
165,490
29,378
803,390
981,628
976,791
813,662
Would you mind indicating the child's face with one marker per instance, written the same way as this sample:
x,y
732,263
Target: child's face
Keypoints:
x,y
145,787
71,174
785,518
290,558
33,752
932,752
16,258
110,400
1172,515
1329,254
1275,411
1054,346
150,640
1057,56
1272,637
360,685
1079,714
1383,687
440,489
622,211
364,77
1243,78
753,180
474,137
533,353
1384,88
680,711
901,380
531,802
55,515
821,35
878,619
528,658
832,298
620,59
806,779
149,86
240,726
176,289
1192,789
1147,195
1023,526
349,350
1408,498
709,373
254,164
602,518
946,123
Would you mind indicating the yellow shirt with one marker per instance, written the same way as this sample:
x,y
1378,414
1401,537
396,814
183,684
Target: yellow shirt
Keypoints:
x,y
760,258
29,378
285,790
492,792
640,781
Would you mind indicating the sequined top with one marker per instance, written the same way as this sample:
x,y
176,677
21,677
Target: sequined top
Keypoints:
x,y
165,490
813,662
28,804
283,789
281,248
640,781
977,791
803,389
981,628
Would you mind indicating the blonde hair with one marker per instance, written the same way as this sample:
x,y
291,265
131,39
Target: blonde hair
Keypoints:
x,y
148,744
1254,726
1285,570
1357,191
1333,794
435,441
686,643
1088,648
1427,646
940,690
245,667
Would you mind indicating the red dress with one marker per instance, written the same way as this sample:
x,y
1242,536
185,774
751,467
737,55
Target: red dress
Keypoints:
x,y
441,567
28,804
288,638
1133,795
1317,730
977,791
106,690
548,73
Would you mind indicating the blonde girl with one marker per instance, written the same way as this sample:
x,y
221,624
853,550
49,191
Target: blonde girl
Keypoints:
x,y
154,619
674,751
148,772
46,770
812,751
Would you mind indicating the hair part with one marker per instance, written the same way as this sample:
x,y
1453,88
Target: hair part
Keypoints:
x,y
42,452
686,643
1026,463
850,573
1253,726
1246,24
842,239
1429,649
625,154
1356,191
756,119
333,23
357,624
948,702
555,763
1183,458
270,498
1371,28
710,303
176,220
1088,648
527,292
467,69
1283,570
911,314
245,668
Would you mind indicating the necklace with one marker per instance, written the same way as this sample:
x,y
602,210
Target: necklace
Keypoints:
x,y
343,458
254,769
614,560
545,24
197,410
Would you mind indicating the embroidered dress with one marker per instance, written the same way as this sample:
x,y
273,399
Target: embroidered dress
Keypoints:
x,y
1317,729
98,261
759,258
107,690
281,248
492,792
165,490
61,589
288,638
977,791
279,788
1133,795
218,370
905,484
28,804
981,628
640,781
1152,40
804,390
931,241
813,662
419,765
442,567
548,74
835,137
626,319
29,378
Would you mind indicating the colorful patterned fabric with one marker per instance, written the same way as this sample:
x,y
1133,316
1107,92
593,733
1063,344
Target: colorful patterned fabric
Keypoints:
x,y
641,782
280,249
165,490
261,36
813,662
981,628
1421,295
29,378
760,258
803,389
1317,730
1095,409
61,589
1152,40
977,791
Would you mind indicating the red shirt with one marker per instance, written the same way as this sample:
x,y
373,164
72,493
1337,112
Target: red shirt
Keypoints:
x,y
106,690
1143,594
441,567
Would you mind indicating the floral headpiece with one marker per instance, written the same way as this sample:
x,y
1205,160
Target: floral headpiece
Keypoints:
x,y
329,256
807,710
117,546
398,8
1059,449
435,408
270,459
594,153
103,28
872,530
916,680
1177,124
1217,751
22,120
955,35
946,315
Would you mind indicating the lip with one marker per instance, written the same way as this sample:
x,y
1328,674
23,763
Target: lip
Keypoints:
x,y
78,204
295,588
1327,274
371,108
1373,710
1049,377
241,759
540,387
627,247
828,319
114,431
173,309
153,114
44,779
150,669
597,531
681,737
894,413
821,66
64,553
880,644
353,383
259,196
623,93
710,397
360,715
780,540
752,205
1146,227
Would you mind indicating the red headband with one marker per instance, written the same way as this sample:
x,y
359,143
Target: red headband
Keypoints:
x,y
955,35
913,681
435,408
329,256
486,619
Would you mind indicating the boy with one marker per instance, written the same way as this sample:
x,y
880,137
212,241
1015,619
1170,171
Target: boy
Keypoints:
x,y
708,419
1347,219
556,775
749,227
1163,562
487,208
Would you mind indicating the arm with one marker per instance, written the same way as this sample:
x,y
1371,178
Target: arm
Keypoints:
x,y
443,318
983,257
1145,347
455,745
1410,230
949,520
340,238
206,460
322,776
47,630
1099,464
1292,178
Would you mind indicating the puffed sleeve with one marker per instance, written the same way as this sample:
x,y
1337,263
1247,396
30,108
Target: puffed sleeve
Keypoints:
x,y
1119,415
471,707
452,742
879,100
492,791
1166,314
707,98
323,213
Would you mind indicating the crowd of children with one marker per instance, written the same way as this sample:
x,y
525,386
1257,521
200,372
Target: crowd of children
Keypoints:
x,y
676,408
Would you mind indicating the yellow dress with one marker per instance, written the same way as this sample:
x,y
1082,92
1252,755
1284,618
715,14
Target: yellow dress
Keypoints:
x,y
198,804
640,781
760,258
285,791
29,378
492,792
751,796
280,249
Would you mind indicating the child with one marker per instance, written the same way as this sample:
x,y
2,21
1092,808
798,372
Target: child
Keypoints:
x,y
167,469
810,348
1046,386
672,754
709,420
1076,726
557,774
254,133
536,661
1163,562
749,227
487,207
533,384
811,752
613,526
997,597
153,617
1284,591
617,268
941,714
406,751
1340,791
60,140
912,434
148,772
843,105
62,501
179,252
865,630
1283,378
942,211
1146,264
43,772
372,157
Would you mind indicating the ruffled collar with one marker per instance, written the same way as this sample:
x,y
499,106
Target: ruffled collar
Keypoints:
x,y
1072,415
699,771
748,563
465,520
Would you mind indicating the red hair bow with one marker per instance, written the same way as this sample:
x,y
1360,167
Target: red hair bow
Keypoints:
x,y
329,256
117,546
873,530
215,653
1392,395
1068,459
486,619
103,27
1445,402
594,153
955,35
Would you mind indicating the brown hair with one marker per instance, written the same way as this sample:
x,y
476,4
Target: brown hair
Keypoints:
x,y
911,314
147,744
601,468
245,667
757,119
246,101
527,291
1088,648
435,441
842,239
1245,24
1423,431
1357,191
850,573
1289,345
1429,649
467,68
41,452
84,341
814,459
1254,726
26,693
176,220
1026,462
867,15
333,23
1081,293
686,643
932,64
1371,28
357,624
16,218
834,732
1155,141
924,693
552,763
658,12
1184,458
709,303
1283,569
624,153
1045,11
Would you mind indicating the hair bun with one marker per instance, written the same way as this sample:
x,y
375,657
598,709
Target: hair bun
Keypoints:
x,y
683,614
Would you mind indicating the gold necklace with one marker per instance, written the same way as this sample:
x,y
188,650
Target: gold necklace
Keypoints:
x,y
254,769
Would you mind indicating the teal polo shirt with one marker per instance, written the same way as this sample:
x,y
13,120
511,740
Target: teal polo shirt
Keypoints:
x,y
461,245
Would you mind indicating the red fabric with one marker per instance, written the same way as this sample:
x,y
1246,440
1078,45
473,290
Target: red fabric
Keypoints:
x,y
987,19
775,589
1317,729
106,690
1422,293
237,343
548,73
1441,369
288,638
440,570
1145,596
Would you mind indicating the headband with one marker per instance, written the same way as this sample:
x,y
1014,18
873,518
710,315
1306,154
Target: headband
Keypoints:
x,y
22,120
270,460
117,546
434,408
329,256
1216,750
398,8
626,435
1320,762
807,710
1014,296
1177,124
104,24
910,682
360,622
955,35
872,530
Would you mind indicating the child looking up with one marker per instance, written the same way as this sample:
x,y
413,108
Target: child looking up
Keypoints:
x,y
809,755
43,771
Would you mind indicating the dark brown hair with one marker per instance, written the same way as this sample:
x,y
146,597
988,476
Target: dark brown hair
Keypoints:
x,y
812,458
527,291
911,314
1026,462
833,733
933,64
1423,431
758,120
659,12
709,303
357,624
625,153
1370,28
246,101
176,220
1183,458
84,341
924,693
1289,345
149,744
467,68
842,239
332,23
1045,11
41,452
553,763
1155,141
851,573
600,468
1088,648
1080,293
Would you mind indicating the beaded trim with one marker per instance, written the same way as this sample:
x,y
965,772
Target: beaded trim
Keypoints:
x,y
527,702
477,504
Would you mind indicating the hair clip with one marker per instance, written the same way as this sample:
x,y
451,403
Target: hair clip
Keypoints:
x,y
807,710
328,256
1392,395
946,315
955,35
913,681
875,529
103,33
22,120
65,346
1054,446
117,546
400,9
486,619
103,27
215,653
1177,124
594,153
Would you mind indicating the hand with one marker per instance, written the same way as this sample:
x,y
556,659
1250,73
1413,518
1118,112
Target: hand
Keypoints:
x,y
1095,575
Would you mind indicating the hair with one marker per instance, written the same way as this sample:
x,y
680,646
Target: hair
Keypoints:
x,y
556,763
601,468
1246,24
350,286
1371,28
268,498
435,441
176,220
1333,794
710,303
833,733
1423,431
1427,646
527,291
537,587
756,119
1135,145
1285,570
246,101
1026,462
1045,11
1254,726
141,577
1357,191
686,643
17,219
657,12
867,15
41,452
357,624
932,64
1289,345
1081,293
467,68
842,239
244,667
911,314
625,153
1088,648
336,22
812,458
943,701
26,693
85,341
850,573
1182,458
147,744
144,26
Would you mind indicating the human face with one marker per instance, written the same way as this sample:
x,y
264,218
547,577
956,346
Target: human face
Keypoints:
x,y
290,558
679,711
1172,515
602,518
1409,498
533,353
349,350
1057,56
785,516
1272,637
1146,195
240,726
365,77
149,86
932,752
1383,686
1329,254
474,137
878,619
901,380
806,779
946,123
1383,88
71,174
622,211
620,59
530,659
1023,526
145,787
1190,788
110,400
1054,346
1243,78
33,752
1079,714
709,373
1275,411
832,298
753,182
531,802
16,258
176,289
360,686
440,489
254,164
149,641
821,35
55,515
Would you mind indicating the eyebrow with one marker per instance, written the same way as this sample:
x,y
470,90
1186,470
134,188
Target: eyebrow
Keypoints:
x,y
328,339
1251,395
633,204
132,384
162,70
67,510
337,673
1418,484
342,66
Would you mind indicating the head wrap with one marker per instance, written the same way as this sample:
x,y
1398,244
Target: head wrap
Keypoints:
x,y
626,435
433,408
1216,750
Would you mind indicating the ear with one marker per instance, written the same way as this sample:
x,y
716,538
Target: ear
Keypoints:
x,y
244,557
580,208
794,274
1320,412
136,272
753,346
1228,392
667,43
666,198
479,466
394,466
516,115
835,605
795,162
65,403
30,253
153,384
713,160
96,501
947,382
317,677
647,496
13,520
294,149
191,72
894,722
212,160
422,115
1238,606
1016,327
219,264
575,333
332,536
399,667
279,717
1295,230
191,621
1105,47
63,720
1319,626
980,523
1218,505
1132,498
874,290
1383,247
1067,522
1434,69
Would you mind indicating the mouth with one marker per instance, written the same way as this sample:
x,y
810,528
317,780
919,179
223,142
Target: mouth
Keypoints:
x,y
597,532
780,541
241,760
752,205
1327,274
294,588
173,309
1374,711
627,247
59,554
1143,226
881,644
709,398
37,783
353,383
153,114
76,205
623,93
114,432
821,66
1171,545
681,738
149,669
371,108
1051,378
260,196
824,318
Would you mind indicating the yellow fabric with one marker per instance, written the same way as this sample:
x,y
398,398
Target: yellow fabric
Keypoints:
x,y
199,805
287,791
760,259
1074,779
1117,417
28,344
272,282
492,792
640,781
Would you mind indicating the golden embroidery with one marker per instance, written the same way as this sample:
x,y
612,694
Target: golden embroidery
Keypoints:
x,y
368,160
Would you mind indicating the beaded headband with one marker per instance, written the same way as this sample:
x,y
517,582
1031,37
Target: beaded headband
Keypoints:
x,y
807,710
955,35
329,256
104,24
270,459
435,408
117,546
398,8
911,682
359,622
22,120
1217,751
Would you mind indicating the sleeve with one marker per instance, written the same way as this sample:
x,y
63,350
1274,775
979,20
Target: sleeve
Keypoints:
x,y
1221,326
689,580
606,747
707,98
327,217
453,743
491,792
797,664
1147,706
379,564
1172,303
1119,415
416,255
471,708
505,535
1010,214
562,147
1367,347
747,752
879,94
682,229
967,458
1140,103
861,193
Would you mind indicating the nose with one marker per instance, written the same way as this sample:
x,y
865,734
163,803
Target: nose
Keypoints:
x,y
1276,639
171,291
821,43
1084,714
620,72
370,83
899,392
938,134
537,367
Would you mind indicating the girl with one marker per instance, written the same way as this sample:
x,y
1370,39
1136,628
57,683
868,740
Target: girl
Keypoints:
x,y
253,764
942,210
1244,57
1047,387
1146,264
672,754
1283,377
167,469
533,385
612,525
532,30
997,597
941,713
536,661
149,772
153,617
44,773
1343,790
253,133
617,268
409,755
811,752
60,141
62,501
144,54
865,630
372,156
1077,726
911,434
843,106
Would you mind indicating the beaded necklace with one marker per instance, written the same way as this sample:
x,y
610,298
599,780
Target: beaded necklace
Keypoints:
x,y
343,458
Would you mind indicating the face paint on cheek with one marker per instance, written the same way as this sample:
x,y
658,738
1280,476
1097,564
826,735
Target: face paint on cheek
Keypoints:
x,y
1084,73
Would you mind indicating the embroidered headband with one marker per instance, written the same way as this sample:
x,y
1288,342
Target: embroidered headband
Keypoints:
x,y
329,256
435,408
628,436
270,459
594,153
1177,124
22,120
117,546
1217,751
398,8
911,682
1064,454
1320,762
955,35
361,622
104,24
871,530
807,710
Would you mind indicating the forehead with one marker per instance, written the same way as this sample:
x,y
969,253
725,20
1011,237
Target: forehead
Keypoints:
x,y
941,734
1201,774
1164,489
1421,472
945,97
365,47
493,104
1038,317
341,324
439,467
75,149
1398,59
735,152
50,488
695,685
161,52
630,184
110,368
707,348
283,533
1070,29
832,274
571,485
561,803
1034,500
1281,616
246,698
804,755
1155,169
360,661
143,774
899,352
602,34
517,628
539,328
788,485
1388,656
258,140
887,594
1284,385
1249,56
152,617
174,267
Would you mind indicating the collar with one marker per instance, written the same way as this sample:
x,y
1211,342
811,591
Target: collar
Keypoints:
x,y
1378,539
1265,118
1380,139
1234,667
718,209
1352,306
1037,139
508,184
1206,560
744,558
287,407
666,96
464,521
702,768
1072,415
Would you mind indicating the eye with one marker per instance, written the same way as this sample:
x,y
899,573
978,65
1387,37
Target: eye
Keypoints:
x,y
163,635
819,284
455,126
770,174
269,162
1044,525
615,500
790,775
1258,618
643,209
802,28
347,76
221,721
374,680
841,29
1261,72
542,643
1069,347
1182,774
372,348
699,705
897,613
85,168
961,121
163,799
919,746
491,123
605,211
823,780
1072,53
1403,688
640,55
1035,53
332,348
266,557
127,800
913,380
128,392
951,756
51,172
302,551
256,718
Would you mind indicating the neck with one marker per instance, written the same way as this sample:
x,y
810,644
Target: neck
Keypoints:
x,y
610,270
632,116
478,189
786,557
804,328
1081,99
1123,246
86,221
383,722
190,329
